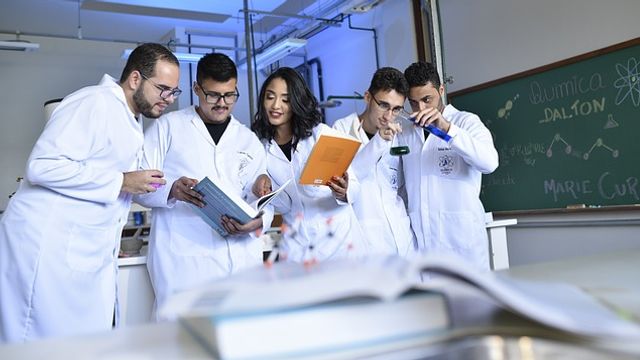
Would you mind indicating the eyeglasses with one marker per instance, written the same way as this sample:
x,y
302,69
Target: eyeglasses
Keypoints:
x,y
165,91
213,97
385,106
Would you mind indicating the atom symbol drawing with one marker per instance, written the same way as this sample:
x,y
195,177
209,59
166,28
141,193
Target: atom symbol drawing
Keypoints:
x,y
628,84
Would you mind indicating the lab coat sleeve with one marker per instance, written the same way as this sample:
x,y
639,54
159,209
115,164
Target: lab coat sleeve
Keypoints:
x,y
353,189
157,140
473,141
66,158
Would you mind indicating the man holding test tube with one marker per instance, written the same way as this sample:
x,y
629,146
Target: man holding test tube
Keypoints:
x,y
443,171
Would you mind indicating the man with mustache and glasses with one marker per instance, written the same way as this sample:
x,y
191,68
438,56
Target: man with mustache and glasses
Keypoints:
x,y
60,235
187,145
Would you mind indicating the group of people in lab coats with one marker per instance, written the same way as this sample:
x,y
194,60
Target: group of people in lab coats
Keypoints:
x,y
59,237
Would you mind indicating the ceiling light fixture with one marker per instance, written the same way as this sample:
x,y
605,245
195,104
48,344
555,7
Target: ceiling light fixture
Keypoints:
x,y
185,57
275,52
18,45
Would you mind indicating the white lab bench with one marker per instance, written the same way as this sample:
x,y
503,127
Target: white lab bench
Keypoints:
x,y
611,278
136,295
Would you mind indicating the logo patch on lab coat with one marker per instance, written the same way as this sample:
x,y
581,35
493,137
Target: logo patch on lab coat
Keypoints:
x,y
445,162
243,161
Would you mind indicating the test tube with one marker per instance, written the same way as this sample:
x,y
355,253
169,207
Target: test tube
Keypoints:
x,y
430,128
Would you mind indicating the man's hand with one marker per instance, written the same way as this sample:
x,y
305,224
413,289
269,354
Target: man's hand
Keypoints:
x,y
182,190
389,131
339,186
235,228
431,116
262,186
142,181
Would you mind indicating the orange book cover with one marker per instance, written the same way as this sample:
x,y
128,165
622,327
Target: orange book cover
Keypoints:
x,y
331,156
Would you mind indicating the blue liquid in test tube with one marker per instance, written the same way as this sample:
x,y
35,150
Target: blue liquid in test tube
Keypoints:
x,y
430,128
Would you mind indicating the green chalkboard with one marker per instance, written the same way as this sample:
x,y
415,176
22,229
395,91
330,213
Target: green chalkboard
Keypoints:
x,y
566,133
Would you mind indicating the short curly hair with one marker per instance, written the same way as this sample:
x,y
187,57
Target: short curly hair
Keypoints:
x,y
387,79
421,73
216,66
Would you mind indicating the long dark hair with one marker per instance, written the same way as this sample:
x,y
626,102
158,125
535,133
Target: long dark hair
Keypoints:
x,y
302,103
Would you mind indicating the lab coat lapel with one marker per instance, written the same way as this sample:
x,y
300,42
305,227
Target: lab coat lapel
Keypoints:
x,y
201,127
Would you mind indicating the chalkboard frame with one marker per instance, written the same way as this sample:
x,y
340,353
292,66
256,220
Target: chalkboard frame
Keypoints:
x,y
551,66
541,69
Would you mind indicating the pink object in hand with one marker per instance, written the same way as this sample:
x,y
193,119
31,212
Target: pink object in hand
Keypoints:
x,y
156,185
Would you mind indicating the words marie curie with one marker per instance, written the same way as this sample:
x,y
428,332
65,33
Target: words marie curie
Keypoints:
x,y
605,186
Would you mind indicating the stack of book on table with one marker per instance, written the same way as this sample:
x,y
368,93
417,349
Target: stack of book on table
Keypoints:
x,y
359,308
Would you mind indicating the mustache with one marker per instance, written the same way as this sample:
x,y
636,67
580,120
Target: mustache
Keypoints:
x,y
220,107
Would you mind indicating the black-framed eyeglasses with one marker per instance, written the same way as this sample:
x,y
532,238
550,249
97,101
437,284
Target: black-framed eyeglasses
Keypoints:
x,y
212,97
385,106
165,91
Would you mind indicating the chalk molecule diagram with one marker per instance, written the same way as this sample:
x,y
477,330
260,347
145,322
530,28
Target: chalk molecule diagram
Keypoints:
x,y
568,148
504,112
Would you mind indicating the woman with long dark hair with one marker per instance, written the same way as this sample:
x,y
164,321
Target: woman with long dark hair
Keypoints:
x,y
323,222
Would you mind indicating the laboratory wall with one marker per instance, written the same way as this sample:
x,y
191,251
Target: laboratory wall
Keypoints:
x,y
61,66
489,39
28,79
348,56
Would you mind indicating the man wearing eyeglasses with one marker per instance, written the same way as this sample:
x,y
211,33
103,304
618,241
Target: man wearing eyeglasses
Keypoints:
x,y
381,207
444,174
189,144
60,235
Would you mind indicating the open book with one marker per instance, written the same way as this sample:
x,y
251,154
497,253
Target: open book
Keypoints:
x,y
221,201
331,156
290,310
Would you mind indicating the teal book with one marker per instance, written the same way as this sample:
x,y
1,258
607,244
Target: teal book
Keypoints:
x,y
221,201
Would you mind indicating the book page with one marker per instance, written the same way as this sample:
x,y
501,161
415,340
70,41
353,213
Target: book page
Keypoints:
x,y
266,199
560,306
289,285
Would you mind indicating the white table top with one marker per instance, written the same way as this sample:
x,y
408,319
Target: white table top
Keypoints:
x,y
612,278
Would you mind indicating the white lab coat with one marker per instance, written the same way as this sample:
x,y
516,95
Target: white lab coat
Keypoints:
x,y
341,236
443,186
380,209
60,235
183,250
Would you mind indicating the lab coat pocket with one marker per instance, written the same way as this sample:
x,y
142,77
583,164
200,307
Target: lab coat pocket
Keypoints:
x,y
88,247
455,231
377,242
193,237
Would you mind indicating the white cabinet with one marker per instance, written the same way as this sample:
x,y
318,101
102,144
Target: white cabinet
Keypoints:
x,y
135,293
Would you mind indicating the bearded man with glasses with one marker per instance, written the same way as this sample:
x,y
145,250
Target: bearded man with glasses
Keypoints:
x,y
60,235
187,145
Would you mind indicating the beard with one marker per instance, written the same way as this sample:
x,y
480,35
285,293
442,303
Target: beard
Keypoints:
x,y
144,107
